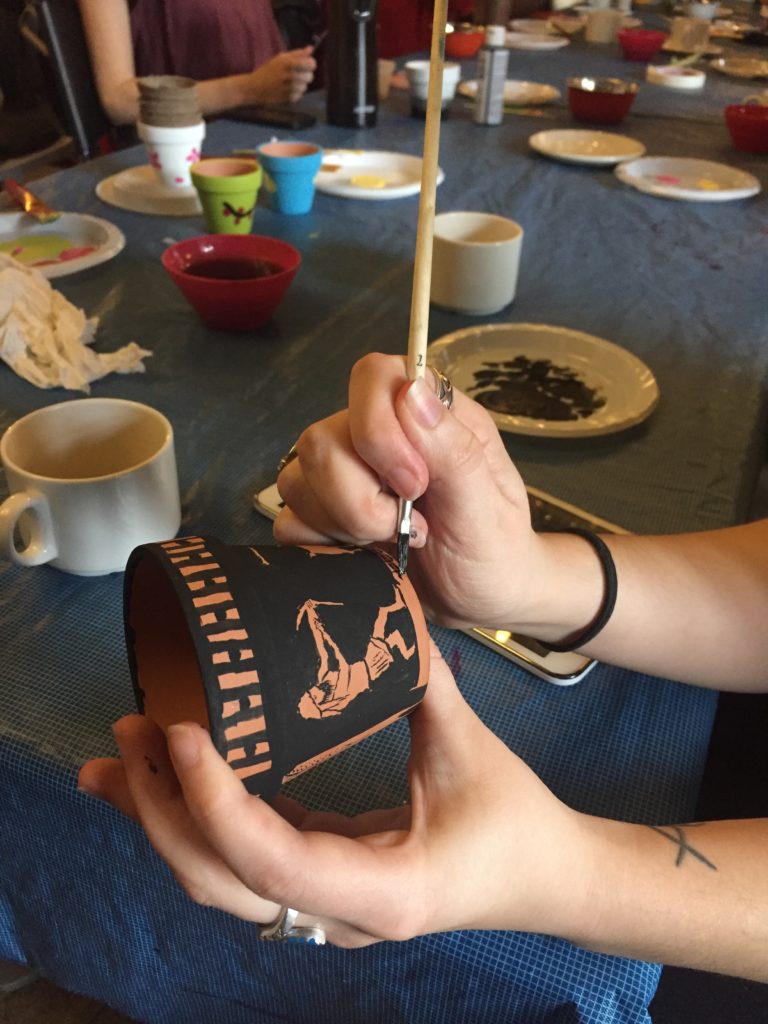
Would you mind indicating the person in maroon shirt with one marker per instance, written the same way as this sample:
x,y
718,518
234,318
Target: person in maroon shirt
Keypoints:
x,y
405,26
232,47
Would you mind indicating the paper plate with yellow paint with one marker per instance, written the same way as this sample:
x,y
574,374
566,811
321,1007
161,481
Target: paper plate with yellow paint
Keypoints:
x,y
370,174
61,247
701,181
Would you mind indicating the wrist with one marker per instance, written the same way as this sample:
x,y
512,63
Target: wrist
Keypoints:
x,y
561,901
219,94
242,91
567,588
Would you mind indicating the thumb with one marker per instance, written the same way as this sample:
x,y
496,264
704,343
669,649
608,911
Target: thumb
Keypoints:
x,y
446,734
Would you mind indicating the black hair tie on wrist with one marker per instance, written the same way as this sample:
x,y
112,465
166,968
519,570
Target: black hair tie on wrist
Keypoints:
x,y
609,599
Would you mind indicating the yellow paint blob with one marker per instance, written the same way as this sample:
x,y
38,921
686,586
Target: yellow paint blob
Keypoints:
x,y
708,184
368,181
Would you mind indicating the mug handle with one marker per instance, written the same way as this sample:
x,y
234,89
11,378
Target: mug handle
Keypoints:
x,y
41,546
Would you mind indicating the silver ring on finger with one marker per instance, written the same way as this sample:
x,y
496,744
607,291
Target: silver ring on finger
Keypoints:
x,y
444,387
285,929
289,456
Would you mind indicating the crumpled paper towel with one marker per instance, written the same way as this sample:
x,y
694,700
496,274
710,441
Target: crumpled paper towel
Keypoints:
x,y
45,339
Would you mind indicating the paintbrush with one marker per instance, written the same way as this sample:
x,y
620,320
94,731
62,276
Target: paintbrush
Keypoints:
x,y
422,267
29,202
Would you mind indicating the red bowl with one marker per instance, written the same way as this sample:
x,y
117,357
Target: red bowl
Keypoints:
x,y
600,100
640,43
463,44
233,302
748,125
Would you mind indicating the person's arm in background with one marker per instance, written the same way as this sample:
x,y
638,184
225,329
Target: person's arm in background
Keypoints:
x,y
484,844
691,607
283,78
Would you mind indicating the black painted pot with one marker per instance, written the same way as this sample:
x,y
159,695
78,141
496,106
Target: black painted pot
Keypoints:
x,y
287,655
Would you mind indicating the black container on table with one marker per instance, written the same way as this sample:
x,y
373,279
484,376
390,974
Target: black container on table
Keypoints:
x,y
351,65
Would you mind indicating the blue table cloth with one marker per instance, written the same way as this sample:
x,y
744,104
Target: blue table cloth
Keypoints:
x,y
82,895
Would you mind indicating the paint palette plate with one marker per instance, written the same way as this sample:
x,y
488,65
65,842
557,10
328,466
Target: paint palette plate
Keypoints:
x,y
702,181
527,41
741,67
370,174
73,242
517,93
580,146
553,370
137,189
707,50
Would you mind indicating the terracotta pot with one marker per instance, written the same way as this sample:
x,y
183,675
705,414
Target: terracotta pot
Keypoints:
x,y
287,655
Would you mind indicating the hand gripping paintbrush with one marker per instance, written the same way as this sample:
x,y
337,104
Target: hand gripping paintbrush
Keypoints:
x,y
422,267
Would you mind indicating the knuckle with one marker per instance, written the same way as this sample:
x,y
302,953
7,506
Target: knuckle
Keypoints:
x,y
466,455
196,892
273,883
371,364
312,445
370,518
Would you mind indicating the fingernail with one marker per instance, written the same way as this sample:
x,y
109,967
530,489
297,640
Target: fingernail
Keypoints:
x,y
183,746
118,728
405,483
425,406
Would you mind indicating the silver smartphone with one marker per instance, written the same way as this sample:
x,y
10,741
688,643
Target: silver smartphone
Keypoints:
x,y
547,513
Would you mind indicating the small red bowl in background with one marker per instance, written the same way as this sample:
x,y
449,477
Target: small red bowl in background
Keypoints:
x,y
601,100
640,43
237,302
464,42
748,125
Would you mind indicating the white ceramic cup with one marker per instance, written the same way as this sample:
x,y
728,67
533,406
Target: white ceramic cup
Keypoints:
x,y
475,262
702,11
89,480
602,26
689,34
172,151
417,72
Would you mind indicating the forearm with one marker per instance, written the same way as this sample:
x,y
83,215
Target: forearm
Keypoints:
x,y
107,28
692,607
219,94
690,895
121,100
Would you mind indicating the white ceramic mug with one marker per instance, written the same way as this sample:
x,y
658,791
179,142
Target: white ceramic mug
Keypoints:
x,y
172,151
602,26
90,479
475,262
417,72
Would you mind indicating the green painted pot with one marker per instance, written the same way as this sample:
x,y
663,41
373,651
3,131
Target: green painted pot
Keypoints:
x,y
228,188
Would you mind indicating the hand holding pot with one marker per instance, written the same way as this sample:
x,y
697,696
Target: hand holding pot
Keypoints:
x,y
483,844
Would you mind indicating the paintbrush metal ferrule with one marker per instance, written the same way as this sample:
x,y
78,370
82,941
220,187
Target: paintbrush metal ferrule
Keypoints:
x,y
404,510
